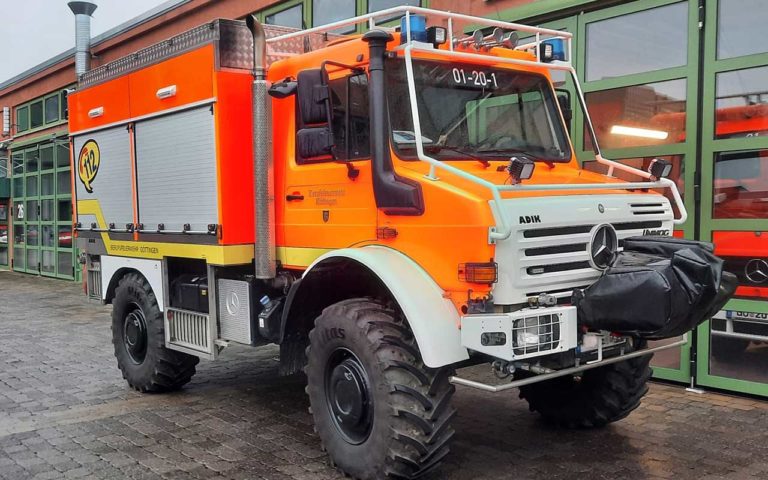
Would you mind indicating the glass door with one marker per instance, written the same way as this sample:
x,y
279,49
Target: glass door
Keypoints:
x,y
638,65
47,206
16,220
30,211
733,346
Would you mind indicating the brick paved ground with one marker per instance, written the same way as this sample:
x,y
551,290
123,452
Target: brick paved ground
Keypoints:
x,y
65,412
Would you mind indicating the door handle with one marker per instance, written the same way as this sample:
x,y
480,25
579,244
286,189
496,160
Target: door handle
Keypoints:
x,y
294,197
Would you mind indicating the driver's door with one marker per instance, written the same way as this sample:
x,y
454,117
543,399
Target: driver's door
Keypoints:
x,y
328,200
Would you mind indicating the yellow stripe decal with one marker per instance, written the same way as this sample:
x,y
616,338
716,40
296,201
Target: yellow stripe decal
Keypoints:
x,y
214,254
300,256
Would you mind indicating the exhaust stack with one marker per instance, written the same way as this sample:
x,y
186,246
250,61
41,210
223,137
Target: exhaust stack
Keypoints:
x,y
263,173
83,12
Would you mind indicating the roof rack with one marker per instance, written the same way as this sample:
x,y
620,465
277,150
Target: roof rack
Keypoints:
x,y
390,14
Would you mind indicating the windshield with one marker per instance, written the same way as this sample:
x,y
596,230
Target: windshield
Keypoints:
x,y
469,111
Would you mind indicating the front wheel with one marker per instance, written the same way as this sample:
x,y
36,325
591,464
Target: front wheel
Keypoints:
x,y
139,339
378,410
595,398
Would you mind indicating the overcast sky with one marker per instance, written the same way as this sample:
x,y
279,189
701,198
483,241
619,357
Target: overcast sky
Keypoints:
x,y
35,30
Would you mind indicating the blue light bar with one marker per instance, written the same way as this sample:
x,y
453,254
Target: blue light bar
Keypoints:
x,y
418,28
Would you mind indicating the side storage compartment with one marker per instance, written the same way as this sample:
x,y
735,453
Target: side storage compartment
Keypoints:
x,y
103,178
176,171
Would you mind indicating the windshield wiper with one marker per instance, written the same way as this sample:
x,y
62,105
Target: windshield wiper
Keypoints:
x,y
528,151
471,155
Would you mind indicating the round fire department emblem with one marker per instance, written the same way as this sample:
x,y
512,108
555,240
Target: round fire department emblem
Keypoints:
x,y
88,164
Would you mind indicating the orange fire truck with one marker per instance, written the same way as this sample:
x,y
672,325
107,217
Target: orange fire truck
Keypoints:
x,y
387,208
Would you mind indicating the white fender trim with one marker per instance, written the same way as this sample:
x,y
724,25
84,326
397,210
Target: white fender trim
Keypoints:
x,y
151,269
433,318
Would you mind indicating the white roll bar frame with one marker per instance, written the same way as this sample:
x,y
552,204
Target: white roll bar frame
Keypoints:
x,y
504,230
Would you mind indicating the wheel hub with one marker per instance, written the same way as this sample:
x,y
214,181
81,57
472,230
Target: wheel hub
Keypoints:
x,y
349,397
135,335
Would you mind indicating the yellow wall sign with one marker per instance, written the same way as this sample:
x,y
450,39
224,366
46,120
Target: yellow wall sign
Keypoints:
x,y
88,164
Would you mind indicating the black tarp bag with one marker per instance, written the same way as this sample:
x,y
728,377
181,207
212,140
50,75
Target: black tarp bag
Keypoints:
x,y
656,288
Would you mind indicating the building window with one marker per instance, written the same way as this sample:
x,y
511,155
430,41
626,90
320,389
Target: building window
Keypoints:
x,y
41,112
638,115
741,28
52,109
303,13
329,11
740,185
376,5
36,114
22,118
290,17
741,105
639,42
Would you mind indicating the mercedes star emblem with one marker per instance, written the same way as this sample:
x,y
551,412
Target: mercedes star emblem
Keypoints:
x,y
233,303
603,245
756,270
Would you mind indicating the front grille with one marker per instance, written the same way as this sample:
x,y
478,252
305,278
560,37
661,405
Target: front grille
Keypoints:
x,y
189,329
575,247
570,251
552,256
650,208
557,267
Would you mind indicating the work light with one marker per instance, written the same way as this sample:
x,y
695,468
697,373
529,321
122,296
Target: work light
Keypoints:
x,y
520,168
553,49
436,36
659,168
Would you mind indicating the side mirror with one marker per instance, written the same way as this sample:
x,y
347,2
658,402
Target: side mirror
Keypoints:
x,y
315,137
284,88
564,99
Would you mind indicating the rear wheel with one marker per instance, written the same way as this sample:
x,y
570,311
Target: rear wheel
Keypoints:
x,y
139,340
378,410
595,398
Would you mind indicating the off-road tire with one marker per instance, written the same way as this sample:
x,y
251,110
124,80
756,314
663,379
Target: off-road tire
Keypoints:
x,y
161,369
598,397
410,427
725,348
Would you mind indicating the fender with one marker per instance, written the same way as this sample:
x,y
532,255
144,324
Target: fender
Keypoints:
x,y
433,319
152,270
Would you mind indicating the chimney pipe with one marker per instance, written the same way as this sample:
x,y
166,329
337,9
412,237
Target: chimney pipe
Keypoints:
x,y
263,173
83,12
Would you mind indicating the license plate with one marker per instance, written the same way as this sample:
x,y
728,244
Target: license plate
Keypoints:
x,y
737,315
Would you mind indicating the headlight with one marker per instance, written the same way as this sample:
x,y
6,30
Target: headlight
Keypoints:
x,y
536,334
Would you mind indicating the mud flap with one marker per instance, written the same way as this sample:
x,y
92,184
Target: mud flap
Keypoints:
x,y
656,288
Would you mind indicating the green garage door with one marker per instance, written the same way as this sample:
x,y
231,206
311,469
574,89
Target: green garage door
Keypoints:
x,y
687,80
41,221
